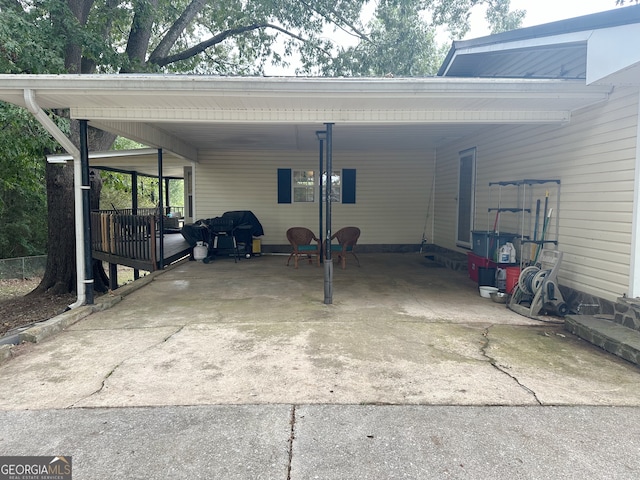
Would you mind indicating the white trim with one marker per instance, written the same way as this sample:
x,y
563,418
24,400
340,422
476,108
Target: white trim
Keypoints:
x,y
60,157
106,117
63,140
634,264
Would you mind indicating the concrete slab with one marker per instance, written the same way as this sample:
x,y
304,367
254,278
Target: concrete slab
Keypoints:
x,y
401,331
220,364
59,373
233,443
409,442
607,334
371,362
560,368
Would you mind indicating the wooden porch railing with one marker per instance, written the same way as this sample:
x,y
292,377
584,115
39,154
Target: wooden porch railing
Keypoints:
x,y
172,211
125,239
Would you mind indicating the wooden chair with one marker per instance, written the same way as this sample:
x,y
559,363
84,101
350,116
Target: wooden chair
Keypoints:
x,y
347,238
300,239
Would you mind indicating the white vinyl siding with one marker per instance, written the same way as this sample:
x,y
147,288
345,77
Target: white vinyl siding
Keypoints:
x,y
593,156
392,192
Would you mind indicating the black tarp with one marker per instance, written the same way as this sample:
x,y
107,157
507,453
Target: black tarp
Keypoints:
x,y
242,224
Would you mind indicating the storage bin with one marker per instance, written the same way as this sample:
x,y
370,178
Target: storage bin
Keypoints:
x,y
475,262
487,277
486,244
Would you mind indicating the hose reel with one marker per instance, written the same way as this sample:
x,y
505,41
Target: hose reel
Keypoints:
x,y
539,285
531,279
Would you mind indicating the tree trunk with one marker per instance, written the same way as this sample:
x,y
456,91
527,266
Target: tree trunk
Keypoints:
x,y
60,274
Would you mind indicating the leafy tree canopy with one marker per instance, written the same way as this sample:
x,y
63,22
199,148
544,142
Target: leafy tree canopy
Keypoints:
x,y
234,37
22,197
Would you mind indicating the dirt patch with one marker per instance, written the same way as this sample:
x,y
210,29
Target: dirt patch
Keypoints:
x,y
18,310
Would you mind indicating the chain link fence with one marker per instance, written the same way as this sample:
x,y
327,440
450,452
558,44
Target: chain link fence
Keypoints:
x,y
22,267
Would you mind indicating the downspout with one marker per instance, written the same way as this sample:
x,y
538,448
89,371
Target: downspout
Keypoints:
x,y
634,267
63,140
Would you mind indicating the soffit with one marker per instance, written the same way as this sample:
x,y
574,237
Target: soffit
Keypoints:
x,y
187,114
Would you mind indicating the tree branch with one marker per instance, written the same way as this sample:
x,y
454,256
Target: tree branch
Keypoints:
x,y
219,38
354,30
169,40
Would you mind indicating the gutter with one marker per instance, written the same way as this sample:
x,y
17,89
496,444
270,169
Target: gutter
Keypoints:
x,y
63,140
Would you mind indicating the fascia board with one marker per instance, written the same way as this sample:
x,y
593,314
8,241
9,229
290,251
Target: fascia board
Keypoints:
x,y
612,50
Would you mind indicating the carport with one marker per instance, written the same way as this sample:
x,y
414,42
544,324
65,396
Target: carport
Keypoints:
x,y
188,115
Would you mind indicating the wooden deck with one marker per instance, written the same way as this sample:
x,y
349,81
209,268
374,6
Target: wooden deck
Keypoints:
x,y
132,241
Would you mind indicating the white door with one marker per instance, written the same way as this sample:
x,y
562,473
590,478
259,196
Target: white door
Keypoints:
x,y
466,197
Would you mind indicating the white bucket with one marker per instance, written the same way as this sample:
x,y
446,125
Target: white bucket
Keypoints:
x,y
485,292
200,251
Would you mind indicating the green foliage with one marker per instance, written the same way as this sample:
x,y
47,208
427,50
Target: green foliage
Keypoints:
x,y
234,37
231,37
28,43
23,146
400,39
117,187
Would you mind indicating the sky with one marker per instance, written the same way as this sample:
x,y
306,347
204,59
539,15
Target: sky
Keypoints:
x,y
538,12
545,11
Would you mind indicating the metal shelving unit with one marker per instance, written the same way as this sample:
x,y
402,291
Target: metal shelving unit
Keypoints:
x,y
535,203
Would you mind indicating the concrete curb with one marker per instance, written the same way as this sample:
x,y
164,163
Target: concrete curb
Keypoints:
x,y
48,328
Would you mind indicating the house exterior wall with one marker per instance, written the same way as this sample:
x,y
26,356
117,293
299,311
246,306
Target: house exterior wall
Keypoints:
x,y
593,156
392,192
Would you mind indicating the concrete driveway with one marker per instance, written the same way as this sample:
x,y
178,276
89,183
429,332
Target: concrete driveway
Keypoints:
x,y
239,371
401,330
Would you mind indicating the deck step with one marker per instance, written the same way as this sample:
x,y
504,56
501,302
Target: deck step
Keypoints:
x,y
627,312
603,332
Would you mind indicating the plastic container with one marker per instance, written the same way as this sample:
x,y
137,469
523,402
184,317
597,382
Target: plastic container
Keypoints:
x,y
485,292
513,275
507,253
487,277
501,278
486,244
475,262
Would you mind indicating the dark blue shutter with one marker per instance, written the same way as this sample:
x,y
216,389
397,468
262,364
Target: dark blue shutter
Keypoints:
x,y
349,185
284,185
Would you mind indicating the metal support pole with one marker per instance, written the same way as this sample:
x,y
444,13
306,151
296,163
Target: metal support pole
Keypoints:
x,y
86,211
167,203
134,209
134,193
328,262
321,137
160,210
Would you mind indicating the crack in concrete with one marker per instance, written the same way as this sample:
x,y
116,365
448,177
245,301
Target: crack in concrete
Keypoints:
x,y
104,380
494,364
292,436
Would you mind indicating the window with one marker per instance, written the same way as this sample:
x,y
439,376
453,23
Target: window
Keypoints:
x,y
304,186
336,186
300,186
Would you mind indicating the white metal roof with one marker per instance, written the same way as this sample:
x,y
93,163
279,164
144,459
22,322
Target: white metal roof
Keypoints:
x,y
590,47
185,113
143,161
